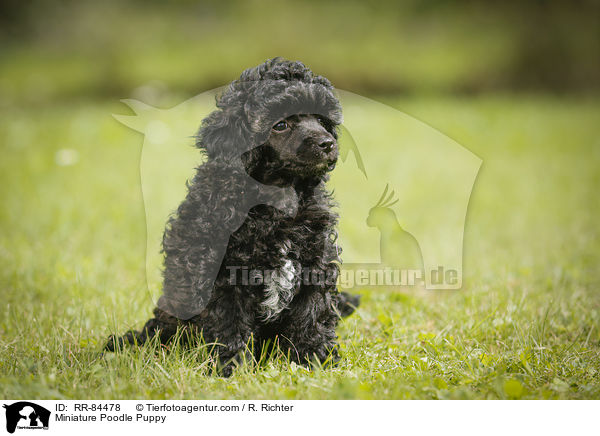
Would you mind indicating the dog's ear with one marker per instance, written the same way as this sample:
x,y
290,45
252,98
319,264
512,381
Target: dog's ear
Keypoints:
x,y
224,135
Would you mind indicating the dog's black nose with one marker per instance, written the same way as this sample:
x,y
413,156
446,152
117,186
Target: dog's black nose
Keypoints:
x,y
326,145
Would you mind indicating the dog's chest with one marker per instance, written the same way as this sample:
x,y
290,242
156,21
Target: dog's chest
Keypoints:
x,y
280,285
291,240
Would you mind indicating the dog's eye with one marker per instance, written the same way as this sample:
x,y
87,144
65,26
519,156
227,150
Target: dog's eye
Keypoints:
x,y
280,126
323,121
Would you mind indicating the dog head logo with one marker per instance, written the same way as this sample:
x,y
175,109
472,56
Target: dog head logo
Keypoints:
x,y
381,148
26,415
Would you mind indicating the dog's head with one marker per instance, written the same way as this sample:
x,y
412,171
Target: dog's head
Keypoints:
x,y
280,119
298,148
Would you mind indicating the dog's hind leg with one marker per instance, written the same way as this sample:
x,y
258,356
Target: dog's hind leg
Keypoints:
x,y
163,324
347,303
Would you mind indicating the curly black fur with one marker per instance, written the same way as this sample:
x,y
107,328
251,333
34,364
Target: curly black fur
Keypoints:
x,y
259,203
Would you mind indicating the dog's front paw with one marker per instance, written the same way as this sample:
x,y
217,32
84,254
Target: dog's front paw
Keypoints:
x,y
329,358
227,364
226,370
323,357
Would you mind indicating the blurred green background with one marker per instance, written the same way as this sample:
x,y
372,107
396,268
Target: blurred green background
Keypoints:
x,y
53,50
516,82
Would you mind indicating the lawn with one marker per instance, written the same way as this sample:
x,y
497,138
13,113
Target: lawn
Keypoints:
x,y
526,323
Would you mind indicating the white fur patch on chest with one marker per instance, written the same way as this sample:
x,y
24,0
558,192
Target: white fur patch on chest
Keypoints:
x,y
280,290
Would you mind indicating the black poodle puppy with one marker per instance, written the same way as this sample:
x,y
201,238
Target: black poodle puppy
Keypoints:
x,y
251,253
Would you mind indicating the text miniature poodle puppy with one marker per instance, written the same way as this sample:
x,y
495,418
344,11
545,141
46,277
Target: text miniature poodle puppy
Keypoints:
x,y
251,253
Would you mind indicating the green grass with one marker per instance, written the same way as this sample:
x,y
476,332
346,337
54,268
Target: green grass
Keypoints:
x,y
525,325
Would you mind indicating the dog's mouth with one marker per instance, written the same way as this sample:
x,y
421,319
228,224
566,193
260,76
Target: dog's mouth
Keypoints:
x,y
326,165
